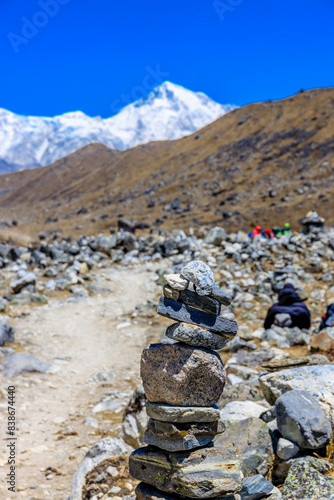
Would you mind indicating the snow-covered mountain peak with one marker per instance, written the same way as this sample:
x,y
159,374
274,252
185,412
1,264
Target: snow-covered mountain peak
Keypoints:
x,y
168,112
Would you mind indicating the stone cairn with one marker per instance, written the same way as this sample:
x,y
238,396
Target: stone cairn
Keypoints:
x,y
182,383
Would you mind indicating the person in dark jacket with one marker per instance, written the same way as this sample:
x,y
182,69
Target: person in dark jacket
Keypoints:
x,y
289,302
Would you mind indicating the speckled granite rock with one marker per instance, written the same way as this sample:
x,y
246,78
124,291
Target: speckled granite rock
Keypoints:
x,y
196,336
182,414
182,375
179,437
201,275
203,473
305,480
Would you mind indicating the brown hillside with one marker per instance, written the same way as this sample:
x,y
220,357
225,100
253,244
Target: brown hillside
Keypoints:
x,y
225,174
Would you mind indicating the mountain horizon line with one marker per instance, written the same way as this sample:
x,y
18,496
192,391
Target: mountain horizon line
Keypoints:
x,y
167,112
166,83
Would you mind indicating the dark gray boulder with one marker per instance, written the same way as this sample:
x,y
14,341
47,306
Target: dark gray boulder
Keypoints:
x,y
301,420
201,275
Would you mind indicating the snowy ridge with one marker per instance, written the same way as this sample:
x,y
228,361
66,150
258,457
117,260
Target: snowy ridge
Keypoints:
x,y
168,112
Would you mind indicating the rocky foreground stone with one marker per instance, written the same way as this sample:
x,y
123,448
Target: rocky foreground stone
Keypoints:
x,y
252,271
310,378
188,377
181,375
179,437
202,473
301,419
196,336
182,414
181,312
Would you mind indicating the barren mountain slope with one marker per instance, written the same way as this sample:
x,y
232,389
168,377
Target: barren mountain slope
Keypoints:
x,y
225,174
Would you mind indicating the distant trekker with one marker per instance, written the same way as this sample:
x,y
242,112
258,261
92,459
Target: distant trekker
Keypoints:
x,y
269,234
258,231
328,318
290,303
277,231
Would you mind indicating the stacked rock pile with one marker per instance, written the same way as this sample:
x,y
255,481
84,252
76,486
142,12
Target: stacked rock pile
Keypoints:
x,y
312,222
182,381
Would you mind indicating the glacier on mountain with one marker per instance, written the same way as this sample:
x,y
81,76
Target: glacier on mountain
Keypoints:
x,y
168,112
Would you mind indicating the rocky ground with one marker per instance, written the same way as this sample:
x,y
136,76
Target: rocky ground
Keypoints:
x,y
83,310
265,163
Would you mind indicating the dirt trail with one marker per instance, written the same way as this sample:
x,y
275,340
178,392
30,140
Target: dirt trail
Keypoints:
x,y
80,338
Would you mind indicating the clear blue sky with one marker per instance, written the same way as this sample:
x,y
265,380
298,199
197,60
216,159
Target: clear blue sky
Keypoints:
x,y
88,55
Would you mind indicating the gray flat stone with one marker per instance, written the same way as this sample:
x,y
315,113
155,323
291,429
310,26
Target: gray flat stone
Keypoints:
x,y
285,364
257,357
181,312
240,410
182,414
179,437
28,278
308,378
201,275
223,296
196,336
23,362
301,420
182,375
146,492
202,473
201,302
